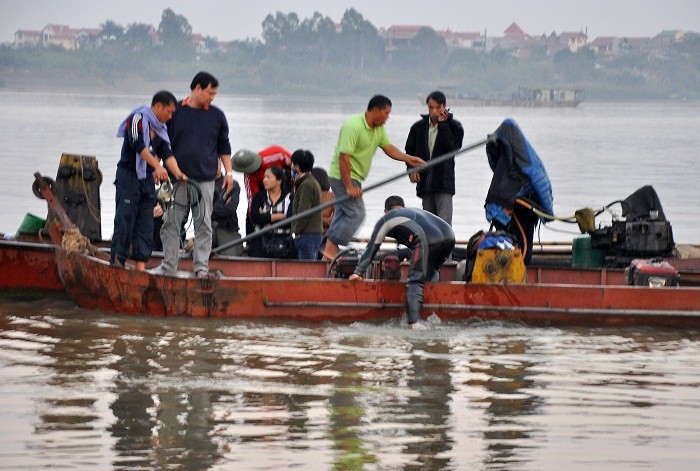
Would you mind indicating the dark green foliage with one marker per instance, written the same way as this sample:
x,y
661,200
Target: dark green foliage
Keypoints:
x,y
175,33
309,56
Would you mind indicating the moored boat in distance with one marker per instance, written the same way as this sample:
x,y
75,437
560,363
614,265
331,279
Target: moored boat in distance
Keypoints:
x,y
551,97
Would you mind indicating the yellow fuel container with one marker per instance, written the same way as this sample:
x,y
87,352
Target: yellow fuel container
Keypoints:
x,y
499,266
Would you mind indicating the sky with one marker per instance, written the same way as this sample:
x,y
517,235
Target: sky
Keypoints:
x,y
239,19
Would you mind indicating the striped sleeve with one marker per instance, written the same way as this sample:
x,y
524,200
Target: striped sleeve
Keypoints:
x,y
136,133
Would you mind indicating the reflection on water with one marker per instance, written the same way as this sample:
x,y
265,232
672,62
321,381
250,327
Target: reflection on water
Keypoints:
x,y
84,390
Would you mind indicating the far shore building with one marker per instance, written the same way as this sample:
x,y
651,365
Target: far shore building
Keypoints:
x,y
27,38
574,40
57,35
60,35
669,37
605,45
76,38
464,40
514,39
398,36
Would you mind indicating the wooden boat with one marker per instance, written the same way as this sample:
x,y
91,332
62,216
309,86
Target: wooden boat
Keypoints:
x,y
277,291
27,259
299,290
30,263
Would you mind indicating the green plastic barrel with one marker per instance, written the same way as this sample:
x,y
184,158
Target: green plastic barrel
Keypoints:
x,y
32,224
585,256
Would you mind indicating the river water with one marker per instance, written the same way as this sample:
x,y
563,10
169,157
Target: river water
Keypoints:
x,y
595,154
87,390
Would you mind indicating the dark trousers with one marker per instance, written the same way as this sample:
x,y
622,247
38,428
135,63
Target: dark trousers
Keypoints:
x,y
421,271
133,217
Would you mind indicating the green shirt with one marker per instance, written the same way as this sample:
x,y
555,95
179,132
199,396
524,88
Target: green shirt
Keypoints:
x,y
360,142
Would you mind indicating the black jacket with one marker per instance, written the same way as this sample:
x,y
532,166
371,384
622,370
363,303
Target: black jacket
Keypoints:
x,y
441,177
224,212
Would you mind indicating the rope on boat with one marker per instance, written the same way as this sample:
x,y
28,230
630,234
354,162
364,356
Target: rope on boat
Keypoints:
x,y
74,242
584,217
332,265
92,208
532,207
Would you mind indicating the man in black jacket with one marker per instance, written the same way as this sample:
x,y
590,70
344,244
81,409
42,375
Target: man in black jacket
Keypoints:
x,y
436,134
224,216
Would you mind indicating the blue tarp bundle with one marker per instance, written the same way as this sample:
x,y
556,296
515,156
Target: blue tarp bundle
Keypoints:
x,y
517,172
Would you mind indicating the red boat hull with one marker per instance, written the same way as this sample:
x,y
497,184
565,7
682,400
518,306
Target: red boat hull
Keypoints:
x,y
93,284
32,265
28,265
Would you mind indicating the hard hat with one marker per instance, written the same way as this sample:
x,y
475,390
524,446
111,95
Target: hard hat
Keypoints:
x,y
246,161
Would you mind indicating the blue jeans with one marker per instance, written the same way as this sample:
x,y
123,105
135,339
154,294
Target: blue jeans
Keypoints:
x,y
347,215
308,246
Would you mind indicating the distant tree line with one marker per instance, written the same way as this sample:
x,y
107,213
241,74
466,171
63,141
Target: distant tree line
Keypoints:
x,y
310,56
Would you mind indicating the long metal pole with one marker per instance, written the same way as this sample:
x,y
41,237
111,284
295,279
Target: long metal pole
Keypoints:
x,y
322,206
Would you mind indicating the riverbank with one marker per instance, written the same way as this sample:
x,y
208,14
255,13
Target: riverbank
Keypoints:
x,y
81,83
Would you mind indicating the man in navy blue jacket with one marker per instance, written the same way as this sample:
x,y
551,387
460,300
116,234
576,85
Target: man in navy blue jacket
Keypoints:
x,y
146,143
199,137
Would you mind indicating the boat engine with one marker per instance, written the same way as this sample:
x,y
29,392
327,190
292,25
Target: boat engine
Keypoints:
x,y
496,265
492,257
645,237
645,231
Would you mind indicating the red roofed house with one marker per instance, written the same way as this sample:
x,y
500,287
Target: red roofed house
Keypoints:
x,y
514,39
200,42
632,46
455,39
515,32
60,35
399,35
605,45
574,41
89,37
27,38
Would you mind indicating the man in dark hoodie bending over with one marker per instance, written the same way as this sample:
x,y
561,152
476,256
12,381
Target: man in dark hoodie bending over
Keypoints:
x,y
430,240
